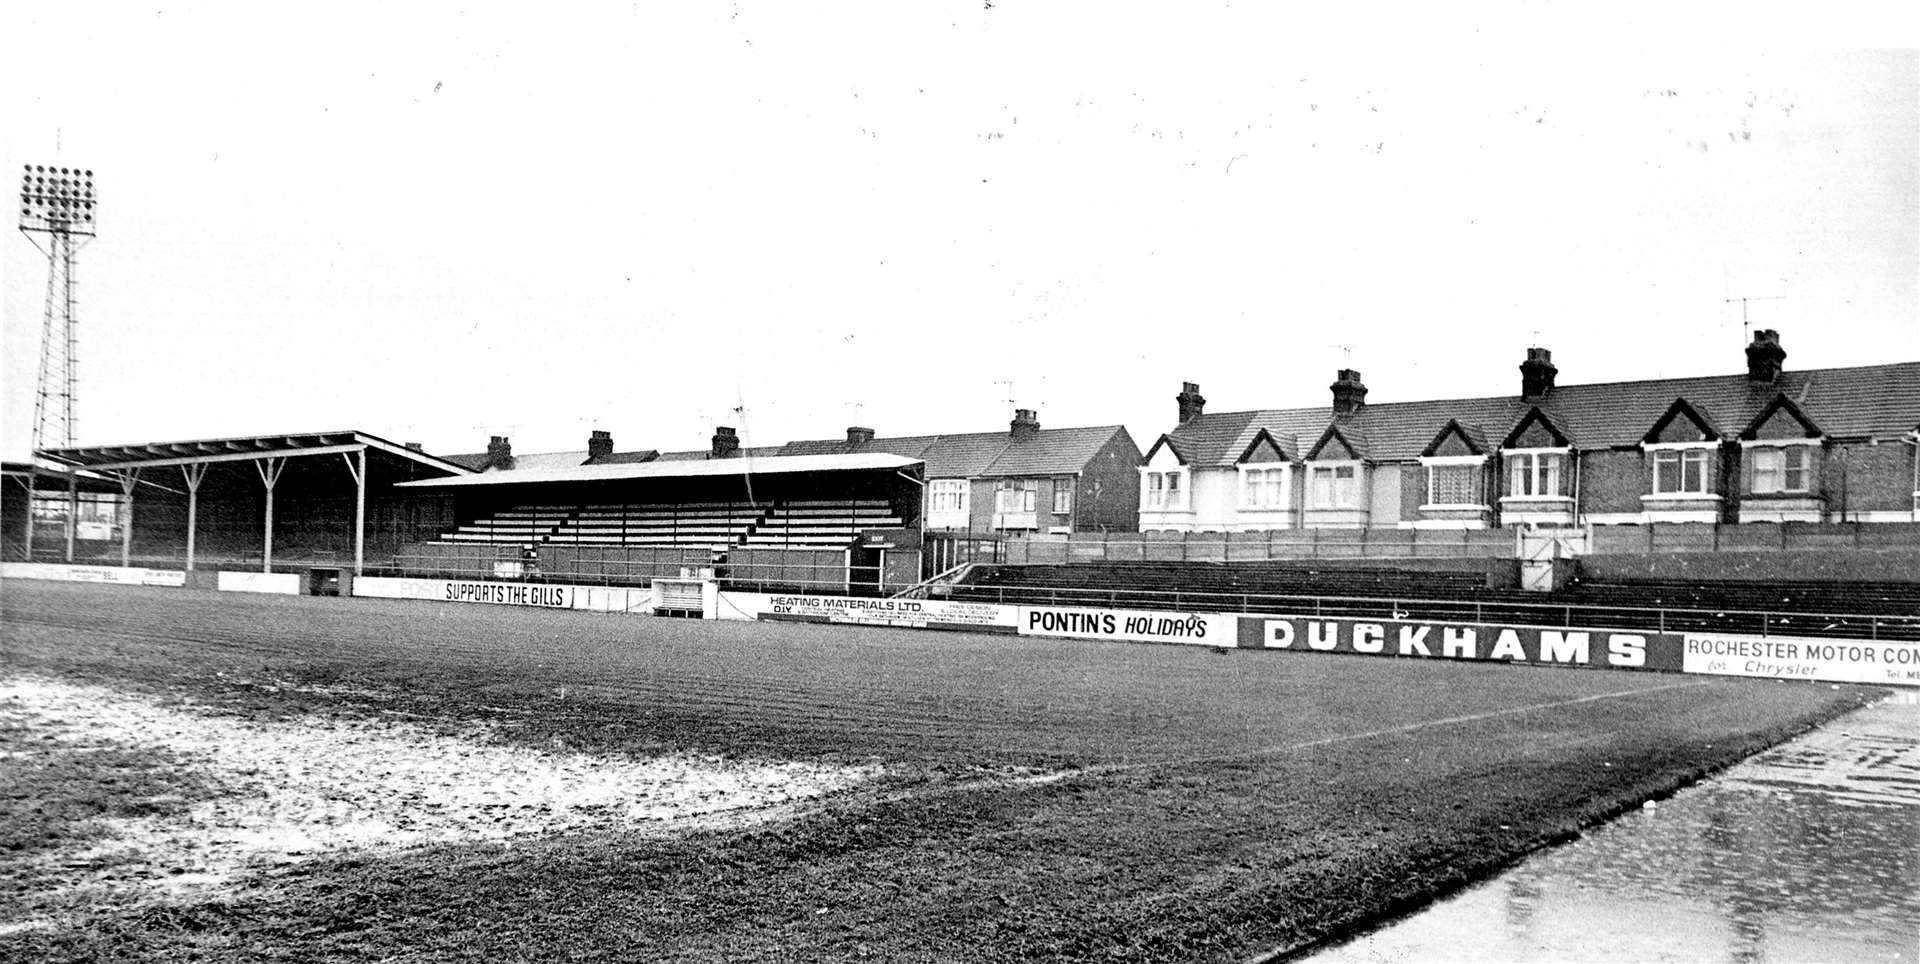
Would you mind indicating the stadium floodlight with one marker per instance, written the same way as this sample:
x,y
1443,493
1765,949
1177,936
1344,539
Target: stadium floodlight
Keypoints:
x,y
57,200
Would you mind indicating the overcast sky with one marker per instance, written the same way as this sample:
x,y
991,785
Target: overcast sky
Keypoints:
x,y
440,224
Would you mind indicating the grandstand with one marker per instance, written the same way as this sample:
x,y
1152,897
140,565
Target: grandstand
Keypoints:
x,y
840,522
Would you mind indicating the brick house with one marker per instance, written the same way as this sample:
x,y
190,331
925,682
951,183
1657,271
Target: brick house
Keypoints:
x,y
1026,479
1771,445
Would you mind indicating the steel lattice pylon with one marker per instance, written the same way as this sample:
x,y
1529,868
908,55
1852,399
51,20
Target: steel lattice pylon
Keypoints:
x,y
59,203
53,418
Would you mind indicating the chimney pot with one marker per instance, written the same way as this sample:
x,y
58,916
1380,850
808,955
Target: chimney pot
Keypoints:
x,y
1349,393
725,443
499,452
1191,403
599,444
1536,375
858,435
1765,357
1025,424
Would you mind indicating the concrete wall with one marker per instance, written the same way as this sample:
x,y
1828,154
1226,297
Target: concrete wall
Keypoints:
x,y
1809,566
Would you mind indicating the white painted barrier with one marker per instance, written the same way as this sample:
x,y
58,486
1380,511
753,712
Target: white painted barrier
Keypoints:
x,y
283,583
1139,626
904,613
614,599
117,575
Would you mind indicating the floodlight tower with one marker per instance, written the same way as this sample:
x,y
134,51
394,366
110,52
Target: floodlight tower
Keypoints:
x,y
60,203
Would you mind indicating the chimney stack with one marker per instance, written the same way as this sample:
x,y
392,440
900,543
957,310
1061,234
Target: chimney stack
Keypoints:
x,y
599,445
1349,395
1190,402
1025,424
415,447
1764,357
725,444
858,436
1536,375
499,452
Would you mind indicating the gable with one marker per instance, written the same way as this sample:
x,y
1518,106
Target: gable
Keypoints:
x,y
1536,431
1781,419
1263,449
1682,423
1163,455
1453,440
1333,447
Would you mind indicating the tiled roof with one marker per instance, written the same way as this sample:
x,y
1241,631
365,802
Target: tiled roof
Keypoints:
x,y
533,460
701,455
1054,451
1881,401
473,460
626,458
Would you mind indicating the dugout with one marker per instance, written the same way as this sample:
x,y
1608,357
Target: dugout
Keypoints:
x,y
43,508
271,503
820,523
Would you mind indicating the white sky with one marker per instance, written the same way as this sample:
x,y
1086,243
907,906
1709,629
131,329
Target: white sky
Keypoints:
x,y
441,223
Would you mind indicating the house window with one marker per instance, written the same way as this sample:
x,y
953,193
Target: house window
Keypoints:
x,y
1534,473
1263,488
1062,498
949,495
1782,469
1163,491
1017,495
1680,472
1336,486
1453,485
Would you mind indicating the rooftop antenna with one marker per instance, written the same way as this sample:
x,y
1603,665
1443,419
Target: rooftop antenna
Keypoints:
x,y
1745,334
1010,396
858,409
1346,354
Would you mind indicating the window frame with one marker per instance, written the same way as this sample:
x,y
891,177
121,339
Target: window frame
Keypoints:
x,y
1807,468
1062,497
1527,463
1474,465
1155,488
1029,490
1682,455
1331,470
957,489
1269,479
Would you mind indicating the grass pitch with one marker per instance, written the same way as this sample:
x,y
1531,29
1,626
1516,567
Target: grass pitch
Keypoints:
x,y
1023,800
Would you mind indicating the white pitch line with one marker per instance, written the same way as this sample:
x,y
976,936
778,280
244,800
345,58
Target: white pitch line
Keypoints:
x,y
1390,731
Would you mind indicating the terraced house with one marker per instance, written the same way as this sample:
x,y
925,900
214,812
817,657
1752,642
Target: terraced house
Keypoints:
x,y
1769,445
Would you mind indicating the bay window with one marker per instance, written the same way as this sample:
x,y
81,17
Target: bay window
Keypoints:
x,y
1785,469
1335,486
1680,472
1535,474
1263,488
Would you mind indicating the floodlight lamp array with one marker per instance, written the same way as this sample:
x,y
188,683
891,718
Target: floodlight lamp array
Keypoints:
x,y
58,199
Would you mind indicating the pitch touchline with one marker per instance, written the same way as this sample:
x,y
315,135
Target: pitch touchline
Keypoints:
x,y
1407,728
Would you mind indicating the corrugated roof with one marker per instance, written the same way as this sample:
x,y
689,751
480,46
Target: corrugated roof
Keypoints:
x,y
684,468
1880,401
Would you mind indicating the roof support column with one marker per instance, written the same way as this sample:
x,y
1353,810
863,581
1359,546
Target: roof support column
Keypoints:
x,y
73,509
128,480
357,464
194,473
269,469
33,476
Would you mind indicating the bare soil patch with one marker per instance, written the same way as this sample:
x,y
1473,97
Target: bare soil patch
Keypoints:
x,y
171,800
